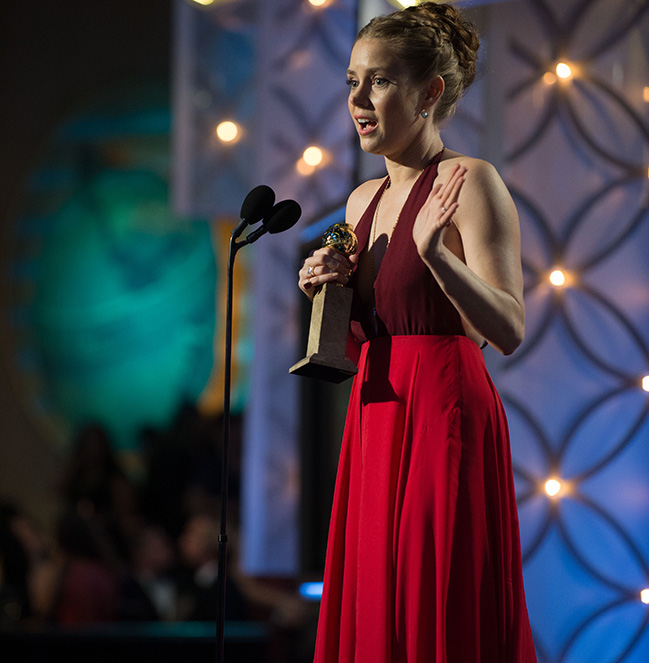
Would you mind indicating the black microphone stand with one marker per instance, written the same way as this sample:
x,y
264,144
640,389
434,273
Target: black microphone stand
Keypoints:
x,y
282,216
223,537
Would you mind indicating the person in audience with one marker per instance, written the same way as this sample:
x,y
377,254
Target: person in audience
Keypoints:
x,y
85,583
149,590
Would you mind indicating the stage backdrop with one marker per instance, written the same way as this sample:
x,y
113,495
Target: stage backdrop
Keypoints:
x,y
561,107
277,71
575,153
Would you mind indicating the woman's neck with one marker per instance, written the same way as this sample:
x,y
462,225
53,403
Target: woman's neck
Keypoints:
x,y
404,171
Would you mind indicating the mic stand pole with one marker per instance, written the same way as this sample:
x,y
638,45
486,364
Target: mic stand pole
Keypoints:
x,y
223,537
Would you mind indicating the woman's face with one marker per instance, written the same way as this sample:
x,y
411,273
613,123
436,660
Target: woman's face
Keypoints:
x,y
384,102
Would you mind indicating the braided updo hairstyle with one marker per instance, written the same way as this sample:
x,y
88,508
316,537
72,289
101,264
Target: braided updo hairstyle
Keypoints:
x,y
431,40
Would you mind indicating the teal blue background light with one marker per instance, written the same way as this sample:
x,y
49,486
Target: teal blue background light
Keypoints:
x,y
122,315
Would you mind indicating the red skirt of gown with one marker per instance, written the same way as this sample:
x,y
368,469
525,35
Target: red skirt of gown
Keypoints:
x,y
423,560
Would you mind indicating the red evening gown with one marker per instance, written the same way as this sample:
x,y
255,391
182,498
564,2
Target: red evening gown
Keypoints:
x,y
423,560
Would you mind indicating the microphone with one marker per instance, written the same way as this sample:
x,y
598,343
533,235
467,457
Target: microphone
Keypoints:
x,y
283,216
257,204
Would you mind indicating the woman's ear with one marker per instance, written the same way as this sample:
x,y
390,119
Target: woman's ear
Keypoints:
x,y
434,92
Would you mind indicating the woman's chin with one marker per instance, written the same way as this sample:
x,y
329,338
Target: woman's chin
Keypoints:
x,y
371,147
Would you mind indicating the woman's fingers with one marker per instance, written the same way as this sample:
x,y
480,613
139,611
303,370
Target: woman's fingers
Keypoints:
x,y
451,188
324,266
449,194
437,212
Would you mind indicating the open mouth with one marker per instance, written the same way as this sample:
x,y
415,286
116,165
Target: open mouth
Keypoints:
x,y
365,126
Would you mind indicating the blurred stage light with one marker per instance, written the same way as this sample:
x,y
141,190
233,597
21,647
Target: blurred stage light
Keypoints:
x,y
400,4
563,70
313,156
209,3
227,131
557,278
645,382
311,591
553,487
549,78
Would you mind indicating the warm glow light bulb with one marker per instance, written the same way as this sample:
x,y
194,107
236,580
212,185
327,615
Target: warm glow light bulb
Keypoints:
x,y
645,93
549,78
644,596
563,70
313,156
227,131
318,3
303,168
557,278
645,382
209,3
552,487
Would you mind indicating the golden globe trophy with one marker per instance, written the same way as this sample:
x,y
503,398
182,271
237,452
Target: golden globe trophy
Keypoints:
x,y
325,352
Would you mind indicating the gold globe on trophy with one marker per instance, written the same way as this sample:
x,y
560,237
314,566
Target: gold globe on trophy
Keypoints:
x,y
341,237
325,353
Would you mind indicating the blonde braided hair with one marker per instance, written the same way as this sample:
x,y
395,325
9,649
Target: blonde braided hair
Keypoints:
x,y
432,40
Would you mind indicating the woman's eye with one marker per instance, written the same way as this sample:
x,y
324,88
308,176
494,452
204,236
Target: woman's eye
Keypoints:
x,y
352,83
380,82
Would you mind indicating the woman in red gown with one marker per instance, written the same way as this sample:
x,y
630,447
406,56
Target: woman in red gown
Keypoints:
x,y
423,561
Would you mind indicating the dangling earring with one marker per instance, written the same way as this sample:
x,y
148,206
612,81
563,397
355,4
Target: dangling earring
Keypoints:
x,y
424,114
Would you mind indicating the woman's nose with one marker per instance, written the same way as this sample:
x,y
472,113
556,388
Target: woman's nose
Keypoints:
x,y
359,97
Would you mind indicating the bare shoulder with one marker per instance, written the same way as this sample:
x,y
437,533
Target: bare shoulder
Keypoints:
x,y
479,173
484,196
359,199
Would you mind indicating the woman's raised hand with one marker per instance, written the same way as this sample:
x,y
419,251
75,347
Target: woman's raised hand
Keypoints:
x,y
437,213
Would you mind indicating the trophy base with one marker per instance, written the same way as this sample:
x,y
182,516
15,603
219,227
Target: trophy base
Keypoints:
x,y
324,368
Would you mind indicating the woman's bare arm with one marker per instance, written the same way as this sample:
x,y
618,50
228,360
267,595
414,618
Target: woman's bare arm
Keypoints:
x,y
487,287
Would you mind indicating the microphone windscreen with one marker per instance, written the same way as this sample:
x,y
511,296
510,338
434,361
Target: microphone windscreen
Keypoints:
x,y
258,203
283,216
